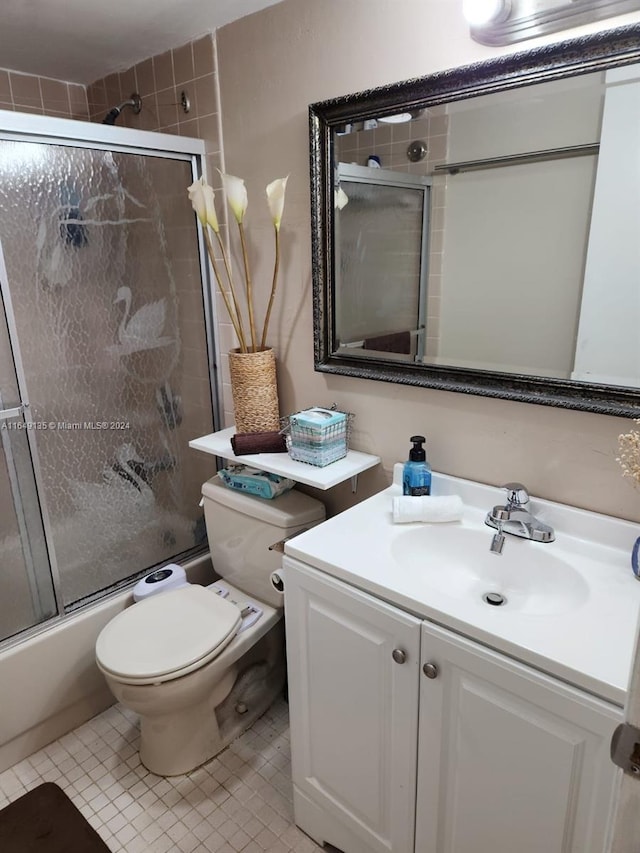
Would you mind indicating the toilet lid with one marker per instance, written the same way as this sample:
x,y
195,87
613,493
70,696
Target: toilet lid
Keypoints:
x,y
167,635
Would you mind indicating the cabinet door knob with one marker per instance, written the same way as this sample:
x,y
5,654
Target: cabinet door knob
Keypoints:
x,y
399,655
430,670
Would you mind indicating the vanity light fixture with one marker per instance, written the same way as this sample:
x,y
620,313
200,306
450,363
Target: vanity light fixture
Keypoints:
x,y
397,118
500,22
401,118
480,13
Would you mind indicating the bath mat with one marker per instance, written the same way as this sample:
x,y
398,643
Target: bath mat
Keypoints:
x,y
45,820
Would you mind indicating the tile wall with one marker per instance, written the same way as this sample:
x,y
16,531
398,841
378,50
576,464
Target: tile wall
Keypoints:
x,y
27,93
161,81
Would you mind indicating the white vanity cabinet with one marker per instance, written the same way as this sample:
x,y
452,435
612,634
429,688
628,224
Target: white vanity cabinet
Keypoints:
x,y
509,759
406,736
353,714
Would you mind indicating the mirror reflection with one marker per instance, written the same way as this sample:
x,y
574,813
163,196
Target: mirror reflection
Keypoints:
x,y
382,240
495,233
516,274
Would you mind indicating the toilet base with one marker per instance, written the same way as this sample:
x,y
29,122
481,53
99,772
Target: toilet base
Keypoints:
x,y
177,742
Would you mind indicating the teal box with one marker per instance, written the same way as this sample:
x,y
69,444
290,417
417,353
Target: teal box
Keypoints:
x,y
318,419
318,436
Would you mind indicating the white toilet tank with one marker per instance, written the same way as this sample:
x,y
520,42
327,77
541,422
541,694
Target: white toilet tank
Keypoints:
x,y
241,528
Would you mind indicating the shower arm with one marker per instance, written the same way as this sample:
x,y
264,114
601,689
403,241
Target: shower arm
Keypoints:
x,y
135,102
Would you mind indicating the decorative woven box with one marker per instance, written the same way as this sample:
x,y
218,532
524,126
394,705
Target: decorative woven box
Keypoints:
x,y
318,436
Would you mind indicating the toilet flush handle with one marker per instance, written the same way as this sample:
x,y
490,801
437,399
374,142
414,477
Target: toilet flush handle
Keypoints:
x,y
279,546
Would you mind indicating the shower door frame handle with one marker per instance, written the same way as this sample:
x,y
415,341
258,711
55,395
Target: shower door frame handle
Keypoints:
x,y
16,412
86,136
24,410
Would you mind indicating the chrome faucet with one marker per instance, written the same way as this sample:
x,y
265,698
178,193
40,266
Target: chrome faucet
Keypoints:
x,y
515,518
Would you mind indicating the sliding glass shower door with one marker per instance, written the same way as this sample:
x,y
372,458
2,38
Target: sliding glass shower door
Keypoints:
x,y
111,319
26,587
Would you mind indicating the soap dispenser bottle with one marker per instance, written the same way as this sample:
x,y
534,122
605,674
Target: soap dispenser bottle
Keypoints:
x,y
416,475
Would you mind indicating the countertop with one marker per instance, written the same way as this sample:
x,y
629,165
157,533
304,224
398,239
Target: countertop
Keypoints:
x,y
590,644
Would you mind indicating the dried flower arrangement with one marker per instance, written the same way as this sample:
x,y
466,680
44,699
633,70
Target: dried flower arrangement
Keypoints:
x,y
629,450
202,200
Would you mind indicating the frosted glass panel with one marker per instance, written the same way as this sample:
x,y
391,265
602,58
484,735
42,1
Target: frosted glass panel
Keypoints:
x,y
102,261
26,586
380,252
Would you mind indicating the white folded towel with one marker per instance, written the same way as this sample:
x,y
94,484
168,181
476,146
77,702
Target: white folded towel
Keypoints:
x,y
426,508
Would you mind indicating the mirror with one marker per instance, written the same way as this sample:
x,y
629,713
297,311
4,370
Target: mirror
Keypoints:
x,y
477,230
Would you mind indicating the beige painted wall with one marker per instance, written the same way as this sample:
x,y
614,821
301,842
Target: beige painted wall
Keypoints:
x,y
497,311
307,50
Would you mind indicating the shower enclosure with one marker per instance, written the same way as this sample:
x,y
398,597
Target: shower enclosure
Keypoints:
x,y
107,362
381,236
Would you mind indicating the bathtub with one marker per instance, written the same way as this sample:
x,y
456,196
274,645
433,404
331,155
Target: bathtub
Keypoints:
x,y
55,684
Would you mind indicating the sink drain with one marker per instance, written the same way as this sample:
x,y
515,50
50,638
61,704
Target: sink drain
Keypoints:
x,y
496,599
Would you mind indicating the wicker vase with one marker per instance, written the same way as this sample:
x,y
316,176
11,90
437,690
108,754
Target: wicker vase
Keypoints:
x,y
255,390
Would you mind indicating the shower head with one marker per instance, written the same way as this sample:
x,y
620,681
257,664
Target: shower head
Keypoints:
x,y
135,102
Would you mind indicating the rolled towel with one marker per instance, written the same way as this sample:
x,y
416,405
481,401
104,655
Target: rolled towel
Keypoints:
x,y
426,508
258,442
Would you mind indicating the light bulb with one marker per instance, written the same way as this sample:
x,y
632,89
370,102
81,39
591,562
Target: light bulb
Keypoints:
x,y
481,12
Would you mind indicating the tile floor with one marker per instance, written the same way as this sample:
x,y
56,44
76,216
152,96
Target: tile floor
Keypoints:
x,y
239,801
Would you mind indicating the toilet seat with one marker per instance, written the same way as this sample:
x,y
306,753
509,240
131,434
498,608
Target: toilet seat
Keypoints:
x,y
167,636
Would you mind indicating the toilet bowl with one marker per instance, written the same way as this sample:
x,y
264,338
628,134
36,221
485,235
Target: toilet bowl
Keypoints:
x,y
199,664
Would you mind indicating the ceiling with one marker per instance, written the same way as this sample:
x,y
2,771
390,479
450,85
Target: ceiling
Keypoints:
x,y
83,40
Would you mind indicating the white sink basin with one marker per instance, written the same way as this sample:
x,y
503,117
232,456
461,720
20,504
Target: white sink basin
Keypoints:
x,y
571,606
455,560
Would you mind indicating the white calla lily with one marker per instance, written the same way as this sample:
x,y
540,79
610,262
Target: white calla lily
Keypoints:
x,y
202,200
236,194
341,199
275,198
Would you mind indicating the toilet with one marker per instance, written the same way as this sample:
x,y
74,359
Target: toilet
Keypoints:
x,y
200,664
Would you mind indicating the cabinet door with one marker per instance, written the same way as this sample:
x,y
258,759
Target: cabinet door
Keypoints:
x,y
509,759
353,710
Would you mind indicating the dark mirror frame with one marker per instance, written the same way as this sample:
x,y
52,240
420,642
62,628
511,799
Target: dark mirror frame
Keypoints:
x,y
608,49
